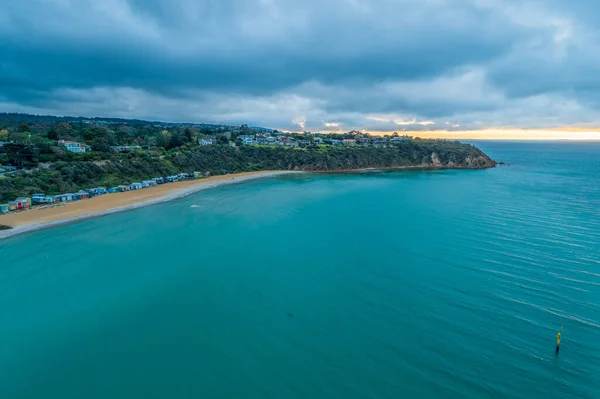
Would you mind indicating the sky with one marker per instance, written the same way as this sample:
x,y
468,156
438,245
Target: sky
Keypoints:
x,y
456,68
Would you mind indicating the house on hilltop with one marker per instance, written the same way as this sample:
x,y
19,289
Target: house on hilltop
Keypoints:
x,y
206,141
74,146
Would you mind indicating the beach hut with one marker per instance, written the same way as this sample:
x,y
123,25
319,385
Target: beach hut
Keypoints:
x,y
145,184
172,179
113,190
149,183
25,201
18,205
96,191
38,198
159,180
123,188
198,175
81,195
136,186
3,208
65,197
42,199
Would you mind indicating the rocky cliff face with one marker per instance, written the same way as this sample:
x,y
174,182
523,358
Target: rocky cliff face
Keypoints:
x,y
480,162
469,162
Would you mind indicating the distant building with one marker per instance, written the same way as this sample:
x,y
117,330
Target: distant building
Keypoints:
x,y
400,139
74,146
125,148
206,141
349,141
246,137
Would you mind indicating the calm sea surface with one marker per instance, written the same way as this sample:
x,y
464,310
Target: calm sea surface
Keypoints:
x,y
439,284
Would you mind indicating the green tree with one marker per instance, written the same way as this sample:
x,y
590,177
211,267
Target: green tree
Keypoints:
x,y
100,144
52,134
221,139
177,140
3,135
19,138
189,134
64,130
163,139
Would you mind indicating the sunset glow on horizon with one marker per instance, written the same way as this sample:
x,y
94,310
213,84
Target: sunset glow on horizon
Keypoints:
x,y
498,134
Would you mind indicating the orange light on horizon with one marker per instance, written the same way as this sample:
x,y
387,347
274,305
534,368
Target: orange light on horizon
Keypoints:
x,y
498,134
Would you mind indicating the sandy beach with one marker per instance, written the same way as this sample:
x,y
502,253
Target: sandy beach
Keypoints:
x,y
36,219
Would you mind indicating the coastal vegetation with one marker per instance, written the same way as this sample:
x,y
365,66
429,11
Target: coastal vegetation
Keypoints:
x,y
32,144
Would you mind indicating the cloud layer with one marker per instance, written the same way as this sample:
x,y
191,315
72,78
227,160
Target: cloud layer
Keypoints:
x,y
380,65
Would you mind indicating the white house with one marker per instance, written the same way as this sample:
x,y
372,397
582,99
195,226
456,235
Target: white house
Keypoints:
x,y
205,141
125,148
74,146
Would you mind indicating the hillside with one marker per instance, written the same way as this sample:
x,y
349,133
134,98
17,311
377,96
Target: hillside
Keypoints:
x,y
95,169
54,155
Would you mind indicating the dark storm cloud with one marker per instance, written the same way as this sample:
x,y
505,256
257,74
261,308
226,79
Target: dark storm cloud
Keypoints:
x,y
311,63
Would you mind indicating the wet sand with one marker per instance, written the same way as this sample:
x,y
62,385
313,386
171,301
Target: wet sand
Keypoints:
x,y
49,216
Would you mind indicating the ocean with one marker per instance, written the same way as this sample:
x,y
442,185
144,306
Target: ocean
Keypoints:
x,y
416,284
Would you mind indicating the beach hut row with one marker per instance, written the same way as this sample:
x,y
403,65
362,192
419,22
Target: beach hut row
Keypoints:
x,y
22,203
158,180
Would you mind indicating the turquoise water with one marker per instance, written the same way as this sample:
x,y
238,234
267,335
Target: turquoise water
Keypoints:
x,y
413,284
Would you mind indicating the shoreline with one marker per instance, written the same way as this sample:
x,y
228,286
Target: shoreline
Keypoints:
x,y
400,168
47,217
72,212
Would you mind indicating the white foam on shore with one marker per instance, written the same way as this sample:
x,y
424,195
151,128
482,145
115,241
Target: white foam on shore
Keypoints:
x,y
168,197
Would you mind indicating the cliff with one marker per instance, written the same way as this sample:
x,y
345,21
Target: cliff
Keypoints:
x,y
411,154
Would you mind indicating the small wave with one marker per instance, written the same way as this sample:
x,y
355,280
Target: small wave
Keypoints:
x,y
556,312
196,206
574,280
